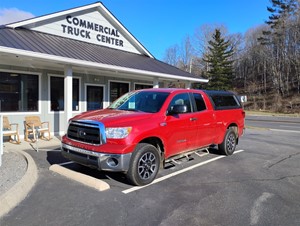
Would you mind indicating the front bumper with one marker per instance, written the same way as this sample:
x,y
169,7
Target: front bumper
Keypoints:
x,y
101,161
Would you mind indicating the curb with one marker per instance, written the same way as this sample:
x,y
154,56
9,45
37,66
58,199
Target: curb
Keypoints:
x,y
81,178
20,190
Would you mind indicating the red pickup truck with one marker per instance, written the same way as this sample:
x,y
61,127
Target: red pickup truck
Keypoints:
x,y
144,128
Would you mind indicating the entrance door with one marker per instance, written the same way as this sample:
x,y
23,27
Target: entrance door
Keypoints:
x,y
94,97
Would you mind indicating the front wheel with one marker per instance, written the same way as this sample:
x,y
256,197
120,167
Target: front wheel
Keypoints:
x,y
144,165
228,145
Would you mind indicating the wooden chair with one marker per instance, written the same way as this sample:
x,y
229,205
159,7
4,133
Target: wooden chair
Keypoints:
x,y
34,126
11,129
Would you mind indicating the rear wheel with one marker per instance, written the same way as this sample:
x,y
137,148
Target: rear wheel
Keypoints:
x,y
228,145
144,164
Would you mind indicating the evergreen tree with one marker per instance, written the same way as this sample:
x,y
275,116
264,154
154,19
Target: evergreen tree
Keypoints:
x,y
281,11
220,63
278,38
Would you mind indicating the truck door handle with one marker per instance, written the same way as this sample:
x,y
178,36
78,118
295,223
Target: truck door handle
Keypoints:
x,y
193,119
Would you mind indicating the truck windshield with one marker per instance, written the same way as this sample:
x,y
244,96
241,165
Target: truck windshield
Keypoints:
x,y
146,101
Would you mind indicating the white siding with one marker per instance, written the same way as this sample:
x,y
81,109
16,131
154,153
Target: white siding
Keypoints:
x,y
64,27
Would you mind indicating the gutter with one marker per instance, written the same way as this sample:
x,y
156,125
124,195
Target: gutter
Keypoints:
x,y
82,63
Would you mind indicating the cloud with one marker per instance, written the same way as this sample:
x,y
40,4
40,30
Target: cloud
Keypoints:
x,y
13,15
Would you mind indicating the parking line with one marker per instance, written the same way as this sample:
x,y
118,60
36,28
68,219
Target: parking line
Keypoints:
x,y
284,130
177,173
66,163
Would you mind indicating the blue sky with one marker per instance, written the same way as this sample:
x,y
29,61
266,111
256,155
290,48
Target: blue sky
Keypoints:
x,y
159,24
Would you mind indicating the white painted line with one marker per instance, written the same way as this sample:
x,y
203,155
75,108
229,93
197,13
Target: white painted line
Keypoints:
x,y
236,152
283,130
66,163
285,126
257,208
177,173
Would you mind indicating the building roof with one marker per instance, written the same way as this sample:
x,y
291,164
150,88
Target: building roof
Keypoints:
x,y
41,43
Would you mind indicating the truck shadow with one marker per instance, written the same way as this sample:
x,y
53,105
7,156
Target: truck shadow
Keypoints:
x,y
117,178
55,157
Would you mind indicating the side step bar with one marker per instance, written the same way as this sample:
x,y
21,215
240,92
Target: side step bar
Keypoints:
x,y
175,159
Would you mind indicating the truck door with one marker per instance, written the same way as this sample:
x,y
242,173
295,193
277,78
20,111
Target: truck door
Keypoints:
x,y
180,129
205,121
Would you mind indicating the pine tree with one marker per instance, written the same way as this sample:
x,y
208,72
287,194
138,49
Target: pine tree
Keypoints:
x,y
280,11
277,38
220,63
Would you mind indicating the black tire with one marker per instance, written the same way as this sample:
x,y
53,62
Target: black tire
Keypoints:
x,y
228,145
144,165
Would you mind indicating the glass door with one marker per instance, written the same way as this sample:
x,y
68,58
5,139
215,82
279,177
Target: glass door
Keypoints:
x,y
94,97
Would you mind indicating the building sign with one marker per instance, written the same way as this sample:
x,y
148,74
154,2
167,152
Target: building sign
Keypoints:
x,y
75,26
86,26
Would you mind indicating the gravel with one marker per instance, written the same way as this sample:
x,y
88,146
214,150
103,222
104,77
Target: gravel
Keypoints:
x,y
12,170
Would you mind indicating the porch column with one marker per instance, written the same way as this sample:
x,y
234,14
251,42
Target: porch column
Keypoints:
x,y
68,96
155,83
1,138
188,85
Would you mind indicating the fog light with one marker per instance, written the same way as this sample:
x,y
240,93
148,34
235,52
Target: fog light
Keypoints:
x,y
112,162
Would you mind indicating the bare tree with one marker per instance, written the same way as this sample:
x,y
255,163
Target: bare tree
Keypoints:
x,y
186,54
172,55
266,58
204,34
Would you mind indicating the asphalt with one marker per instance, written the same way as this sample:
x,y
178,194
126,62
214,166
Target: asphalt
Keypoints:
x,y
18,172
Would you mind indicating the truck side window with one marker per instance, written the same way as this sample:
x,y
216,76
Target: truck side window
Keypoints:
x,y
181,99
200,104
228,101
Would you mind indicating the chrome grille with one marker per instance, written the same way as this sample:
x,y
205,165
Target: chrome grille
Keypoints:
x,y
86,131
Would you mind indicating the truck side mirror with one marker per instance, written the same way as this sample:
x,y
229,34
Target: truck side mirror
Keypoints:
x,y
177,109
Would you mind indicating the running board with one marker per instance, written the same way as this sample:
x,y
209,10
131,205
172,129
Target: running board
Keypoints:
x,y
175,160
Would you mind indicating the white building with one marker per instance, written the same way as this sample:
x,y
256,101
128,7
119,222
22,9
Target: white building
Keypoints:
x,y
59,65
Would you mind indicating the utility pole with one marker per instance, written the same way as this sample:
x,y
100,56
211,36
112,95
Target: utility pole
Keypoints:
x,y
191,63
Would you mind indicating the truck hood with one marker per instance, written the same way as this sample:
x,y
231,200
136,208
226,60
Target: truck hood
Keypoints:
x,y
110,117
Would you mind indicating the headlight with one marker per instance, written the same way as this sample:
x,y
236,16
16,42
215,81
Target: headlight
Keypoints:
x,y
117,132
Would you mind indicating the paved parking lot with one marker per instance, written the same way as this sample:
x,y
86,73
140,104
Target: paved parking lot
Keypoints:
x,y
172,169
258,186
